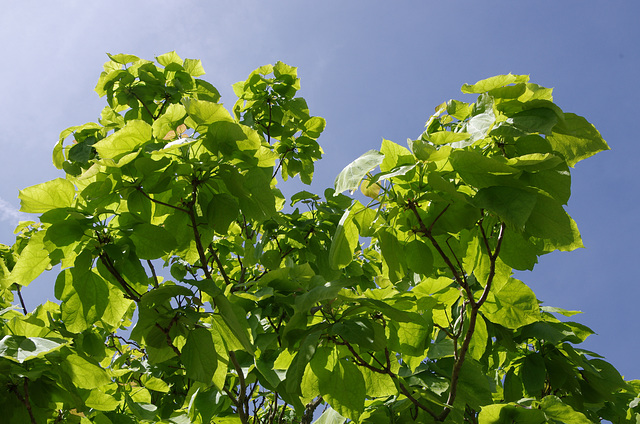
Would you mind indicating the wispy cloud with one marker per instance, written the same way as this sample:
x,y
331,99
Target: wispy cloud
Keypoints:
x,y
10,214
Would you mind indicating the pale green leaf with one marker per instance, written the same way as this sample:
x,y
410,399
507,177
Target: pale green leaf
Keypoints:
x,y
555,409
351,176
21,348
511,304
344,242
152,241
494,82
125,141
58,193
32,262
84,373
199,356
576,139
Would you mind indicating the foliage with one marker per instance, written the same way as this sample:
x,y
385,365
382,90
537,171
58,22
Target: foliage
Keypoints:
x,y
191,290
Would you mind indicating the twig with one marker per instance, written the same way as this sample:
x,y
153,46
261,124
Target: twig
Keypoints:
x,y
159,202
24,308
153,272
130,292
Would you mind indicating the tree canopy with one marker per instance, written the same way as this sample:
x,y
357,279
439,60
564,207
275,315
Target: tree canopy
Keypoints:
x,y
192,291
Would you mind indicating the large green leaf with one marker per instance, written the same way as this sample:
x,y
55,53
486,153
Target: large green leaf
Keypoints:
x,y
576,139
340,382
21,348
481,171
511,304
58,193
351,176
199,355
512,205
84,373
510,413
556,410
87,298
494,82
344,242
152,241
122,142
550,222
32,262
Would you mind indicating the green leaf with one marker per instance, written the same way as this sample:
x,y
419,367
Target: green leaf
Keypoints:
x,y
576,139
169,58
340,382
151,241
550,222
193,67
101,401
394,156
87,298
168,121
447,137
84,373
124,141
314,126
58,193
123,58
555,409
419,257
330,416
351,176
344,242
21,348
511,304
203,112
512,205
199,355
509,413
32,262
481,171
493,83
533,373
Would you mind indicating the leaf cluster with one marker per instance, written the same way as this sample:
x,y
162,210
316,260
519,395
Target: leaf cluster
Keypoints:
x,y
192,290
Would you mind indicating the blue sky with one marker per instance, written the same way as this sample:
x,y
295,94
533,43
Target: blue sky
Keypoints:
x,y
373,70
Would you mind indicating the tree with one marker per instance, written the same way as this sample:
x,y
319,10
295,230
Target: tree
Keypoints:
x,y
191,290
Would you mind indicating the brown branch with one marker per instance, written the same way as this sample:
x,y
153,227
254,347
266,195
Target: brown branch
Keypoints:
x,y
242,405
25,399
475,308
142,103
24,307
309,409
159,202
219,264
427,233
130,292
168,337
153,272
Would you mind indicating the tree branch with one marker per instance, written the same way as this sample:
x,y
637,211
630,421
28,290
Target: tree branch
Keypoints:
x,y
159,202
130,292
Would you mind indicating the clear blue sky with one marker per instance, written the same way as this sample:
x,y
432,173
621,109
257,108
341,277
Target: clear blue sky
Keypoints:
x,y
373,70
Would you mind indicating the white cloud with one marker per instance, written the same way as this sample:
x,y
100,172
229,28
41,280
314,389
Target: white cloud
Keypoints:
x,y
10,214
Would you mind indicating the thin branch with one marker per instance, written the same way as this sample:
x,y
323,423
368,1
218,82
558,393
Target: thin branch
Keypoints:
x,y
142,103
25,399
309,409
159,202
243,405
153,272
24,308
427,233
130,292
475,308
219,264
